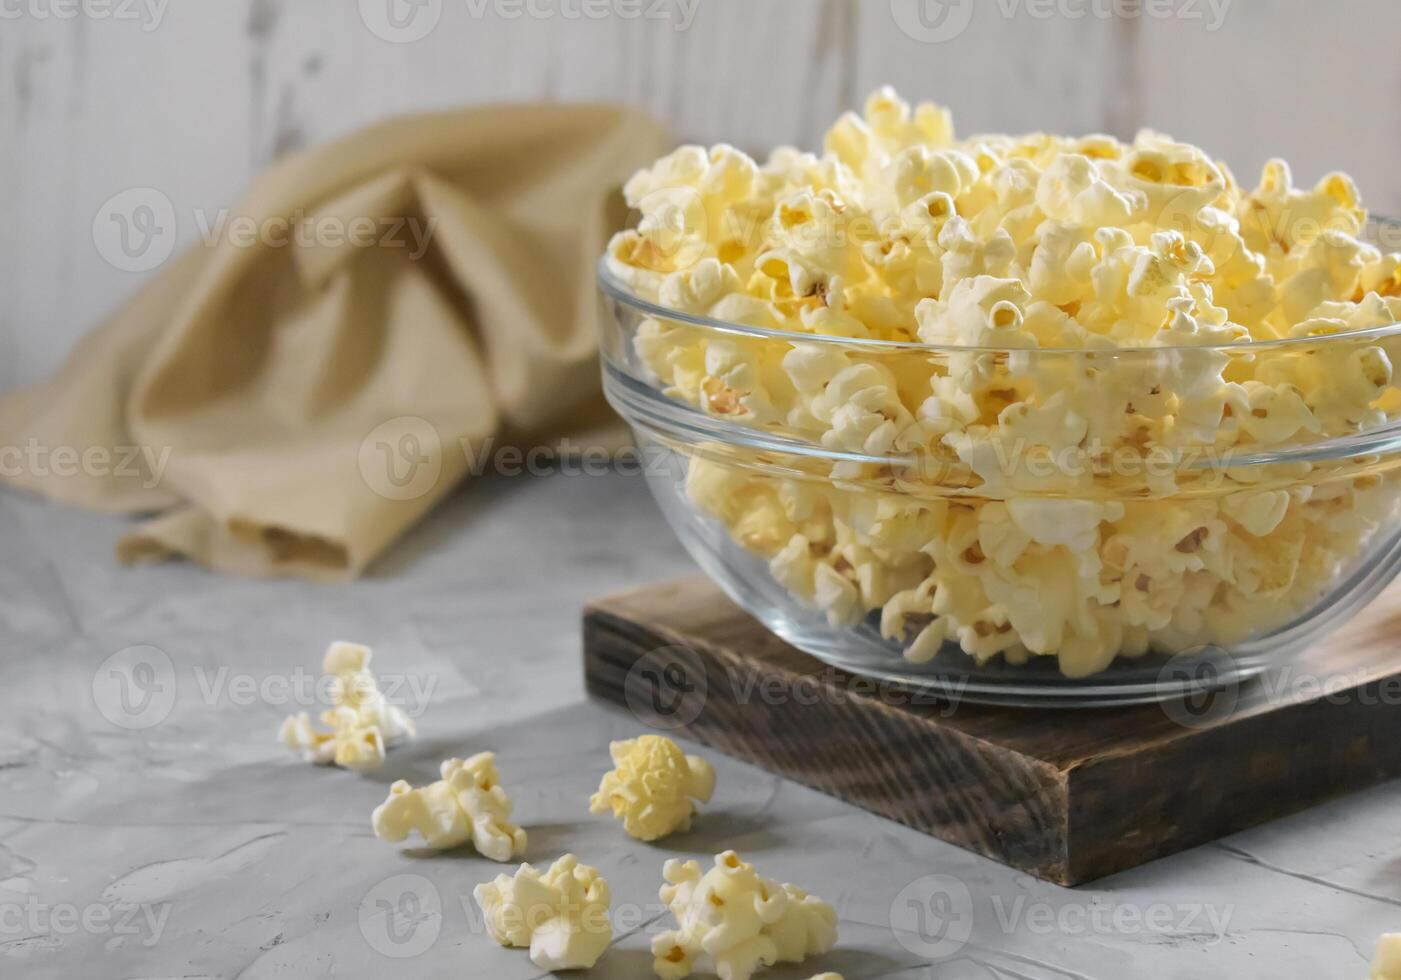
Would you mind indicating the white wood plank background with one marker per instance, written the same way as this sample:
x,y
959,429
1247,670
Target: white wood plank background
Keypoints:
x,y
196,100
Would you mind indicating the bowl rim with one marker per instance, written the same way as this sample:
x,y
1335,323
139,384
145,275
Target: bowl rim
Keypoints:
x,y
613,287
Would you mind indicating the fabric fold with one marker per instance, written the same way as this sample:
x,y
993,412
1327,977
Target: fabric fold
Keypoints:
x,y
304,386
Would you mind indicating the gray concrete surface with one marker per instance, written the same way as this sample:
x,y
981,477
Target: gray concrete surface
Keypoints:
x,y
169,835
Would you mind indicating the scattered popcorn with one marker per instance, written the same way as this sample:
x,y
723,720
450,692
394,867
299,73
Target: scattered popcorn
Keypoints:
x,y
654,787
362,724
348,744
1029,490
1386,964
297,732
562,915
354,687
467,804
730,921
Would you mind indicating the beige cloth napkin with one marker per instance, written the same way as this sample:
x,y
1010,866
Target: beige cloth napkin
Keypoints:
x,y
291,407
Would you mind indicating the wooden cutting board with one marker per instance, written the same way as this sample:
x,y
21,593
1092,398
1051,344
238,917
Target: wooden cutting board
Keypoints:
x,y
1068,796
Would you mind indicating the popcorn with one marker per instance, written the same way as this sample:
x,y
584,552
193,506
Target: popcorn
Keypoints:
x,y
348,744
730,921
363,724
1072,189
654,787
1058,477
562,915
1257,513
1386,964
354,687
1176,179
1072,523
467,804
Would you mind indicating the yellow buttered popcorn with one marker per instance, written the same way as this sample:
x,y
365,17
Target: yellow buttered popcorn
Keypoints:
x,y
731,921
349,744
654,787
561,915
467,805
363,724
1050,474
354,687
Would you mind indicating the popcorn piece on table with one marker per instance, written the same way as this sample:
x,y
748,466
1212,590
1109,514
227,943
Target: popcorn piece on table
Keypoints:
x,y
362,724
349,744
730,921
1386,964
562,915
354,686
297,732
654,788
467,804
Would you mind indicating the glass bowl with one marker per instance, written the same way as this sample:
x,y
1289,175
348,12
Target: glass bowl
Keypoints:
x,y
1034,563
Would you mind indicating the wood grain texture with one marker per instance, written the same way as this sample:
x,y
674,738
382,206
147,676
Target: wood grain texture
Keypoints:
x,y
196,103
1068,796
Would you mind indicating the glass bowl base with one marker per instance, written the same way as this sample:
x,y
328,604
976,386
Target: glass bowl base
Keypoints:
x,y
954,676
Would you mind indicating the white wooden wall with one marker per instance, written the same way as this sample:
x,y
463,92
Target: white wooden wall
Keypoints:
x,y
194,102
